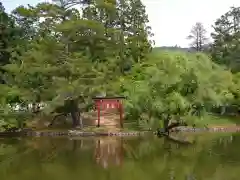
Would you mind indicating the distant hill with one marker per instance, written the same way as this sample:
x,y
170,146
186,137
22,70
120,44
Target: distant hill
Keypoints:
x,y
177,48
172,48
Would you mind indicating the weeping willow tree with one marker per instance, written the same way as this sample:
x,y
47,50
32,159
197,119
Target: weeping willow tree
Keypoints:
x,y
175,85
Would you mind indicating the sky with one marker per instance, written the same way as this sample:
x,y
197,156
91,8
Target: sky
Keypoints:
x,y
171,20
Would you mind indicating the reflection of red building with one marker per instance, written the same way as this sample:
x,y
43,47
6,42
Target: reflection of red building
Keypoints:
x,y
109,151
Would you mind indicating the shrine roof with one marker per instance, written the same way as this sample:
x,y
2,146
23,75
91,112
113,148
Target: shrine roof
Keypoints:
x,y
110,97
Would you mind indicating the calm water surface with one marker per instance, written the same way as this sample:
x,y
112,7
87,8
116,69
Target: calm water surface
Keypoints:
x,y
212,157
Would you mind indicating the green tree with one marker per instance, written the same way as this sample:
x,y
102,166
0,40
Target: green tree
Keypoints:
x,y
225,48
8,36
175,85
69,57
51,71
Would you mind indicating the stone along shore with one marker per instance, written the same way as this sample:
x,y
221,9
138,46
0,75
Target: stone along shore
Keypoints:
x,y
116,133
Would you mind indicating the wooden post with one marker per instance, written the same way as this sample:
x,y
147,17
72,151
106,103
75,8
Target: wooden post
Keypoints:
x,y
98,112
121,114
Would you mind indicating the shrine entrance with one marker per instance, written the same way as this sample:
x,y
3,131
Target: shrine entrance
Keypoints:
x,y
103,103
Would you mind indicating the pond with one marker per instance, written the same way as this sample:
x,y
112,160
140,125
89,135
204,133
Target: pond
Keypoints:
x,y
212,157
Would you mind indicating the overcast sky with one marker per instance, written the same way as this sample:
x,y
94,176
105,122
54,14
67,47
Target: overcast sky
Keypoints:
x,y
171,20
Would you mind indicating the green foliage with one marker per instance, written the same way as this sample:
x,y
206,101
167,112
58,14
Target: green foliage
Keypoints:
x,y
67,55
225,51
62,57
225,48
174,83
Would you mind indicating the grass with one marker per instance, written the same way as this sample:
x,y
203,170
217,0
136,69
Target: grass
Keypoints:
x,y
209,120
214,120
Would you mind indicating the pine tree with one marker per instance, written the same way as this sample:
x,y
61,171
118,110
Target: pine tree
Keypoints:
x,y
6,38
225,48
135,33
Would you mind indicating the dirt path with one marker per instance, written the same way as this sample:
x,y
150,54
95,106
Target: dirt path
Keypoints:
x,y
109,119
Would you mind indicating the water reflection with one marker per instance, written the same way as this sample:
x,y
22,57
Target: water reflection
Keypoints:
x,y
213,157
109,151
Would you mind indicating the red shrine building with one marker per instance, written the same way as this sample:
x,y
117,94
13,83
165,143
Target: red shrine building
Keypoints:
x,y
104,103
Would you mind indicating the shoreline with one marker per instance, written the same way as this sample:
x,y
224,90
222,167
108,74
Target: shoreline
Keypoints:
x,y
80,133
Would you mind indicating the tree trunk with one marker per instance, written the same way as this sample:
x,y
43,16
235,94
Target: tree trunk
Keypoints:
x,y
223,109
55,118
166,122
75,118
75,114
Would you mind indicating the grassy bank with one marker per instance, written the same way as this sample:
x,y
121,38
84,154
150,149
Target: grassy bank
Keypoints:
x,y
216,120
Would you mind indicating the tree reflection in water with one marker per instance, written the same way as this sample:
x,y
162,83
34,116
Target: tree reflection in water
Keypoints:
x,y
212,157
